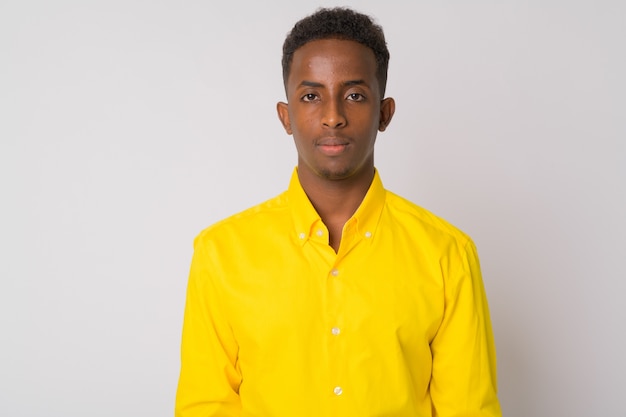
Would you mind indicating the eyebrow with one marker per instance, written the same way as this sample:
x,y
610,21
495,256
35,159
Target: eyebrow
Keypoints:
x,y
314,84
354,82
306,83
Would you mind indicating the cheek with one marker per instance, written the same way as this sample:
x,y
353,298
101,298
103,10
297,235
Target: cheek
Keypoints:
x,y
303,121
367,121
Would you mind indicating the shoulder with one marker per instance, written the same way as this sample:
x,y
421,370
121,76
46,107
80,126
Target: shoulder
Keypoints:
x,y
431,236
415,218
271,213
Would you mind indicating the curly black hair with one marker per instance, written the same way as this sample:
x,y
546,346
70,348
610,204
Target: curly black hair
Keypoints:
x,y
338,23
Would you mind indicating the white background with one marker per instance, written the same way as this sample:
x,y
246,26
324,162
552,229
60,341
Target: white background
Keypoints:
x,y
128,126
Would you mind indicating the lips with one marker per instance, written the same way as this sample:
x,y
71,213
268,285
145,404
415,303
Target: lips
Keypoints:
x,y
332,146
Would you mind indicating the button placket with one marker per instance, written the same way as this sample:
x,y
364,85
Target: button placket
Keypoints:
x,y
335,317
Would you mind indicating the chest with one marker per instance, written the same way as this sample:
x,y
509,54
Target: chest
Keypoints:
x,y
384,292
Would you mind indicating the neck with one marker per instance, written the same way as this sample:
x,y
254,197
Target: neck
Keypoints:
x,y
335,200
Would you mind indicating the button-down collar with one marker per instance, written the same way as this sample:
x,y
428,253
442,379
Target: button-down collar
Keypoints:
x,y
362,224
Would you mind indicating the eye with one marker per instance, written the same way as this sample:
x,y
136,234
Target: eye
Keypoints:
x,y
355,97
309,97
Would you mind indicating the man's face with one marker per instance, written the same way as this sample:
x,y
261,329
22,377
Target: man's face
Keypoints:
x,y
334,109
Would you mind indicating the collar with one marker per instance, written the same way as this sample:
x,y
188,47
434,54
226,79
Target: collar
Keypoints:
x,y
308,224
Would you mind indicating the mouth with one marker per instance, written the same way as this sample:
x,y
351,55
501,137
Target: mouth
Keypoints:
x,y
332,146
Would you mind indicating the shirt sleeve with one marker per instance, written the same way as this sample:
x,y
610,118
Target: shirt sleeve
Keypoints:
x,y
463,381
209,379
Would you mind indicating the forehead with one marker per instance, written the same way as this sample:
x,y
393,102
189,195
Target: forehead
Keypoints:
x,y
332,58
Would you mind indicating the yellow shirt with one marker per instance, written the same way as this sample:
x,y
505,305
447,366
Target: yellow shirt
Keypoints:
x,y
279,325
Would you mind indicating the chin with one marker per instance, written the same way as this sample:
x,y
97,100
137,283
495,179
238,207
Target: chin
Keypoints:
x,y
335,174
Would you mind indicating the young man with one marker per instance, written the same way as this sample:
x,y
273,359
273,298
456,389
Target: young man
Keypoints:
x,y
336,298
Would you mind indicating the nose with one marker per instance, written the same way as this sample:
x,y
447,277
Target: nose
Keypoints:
x,y
334,116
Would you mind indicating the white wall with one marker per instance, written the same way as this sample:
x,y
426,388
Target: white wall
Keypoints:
x,y
128,126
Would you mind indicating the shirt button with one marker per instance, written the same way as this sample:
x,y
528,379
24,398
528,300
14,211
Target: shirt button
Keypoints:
x,y
302,235
320,233
368,234
335,331
334,272
338,391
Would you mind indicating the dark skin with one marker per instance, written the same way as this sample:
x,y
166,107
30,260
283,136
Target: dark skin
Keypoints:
x,y
334,112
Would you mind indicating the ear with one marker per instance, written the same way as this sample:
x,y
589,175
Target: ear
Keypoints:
x,y
283,114
387,109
